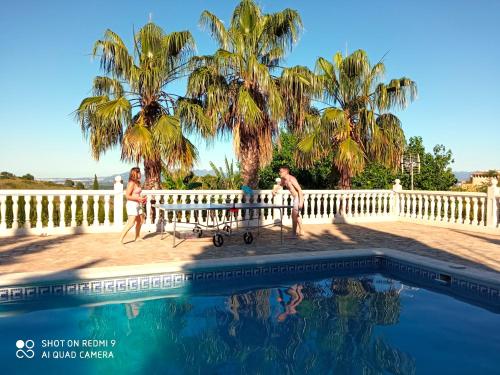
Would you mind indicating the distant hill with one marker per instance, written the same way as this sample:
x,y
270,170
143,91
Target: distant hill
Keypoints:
x,y
462,175
19,183
107,182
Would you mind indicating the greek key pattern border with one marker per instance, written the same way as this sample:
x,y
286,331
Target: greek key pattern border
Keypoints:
x,y
144,283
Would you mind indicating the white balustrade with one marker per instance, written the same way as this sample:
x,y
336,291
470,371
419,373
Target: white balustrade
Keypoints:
x,y
462,209
68,211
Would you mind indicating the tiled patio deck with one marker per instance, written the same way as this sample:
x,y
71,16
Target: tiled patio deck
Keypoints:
x,y
62,253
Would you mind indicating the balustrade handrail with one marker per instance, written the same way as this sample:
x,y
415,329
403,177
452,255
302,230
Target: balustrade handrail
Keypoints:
x,y
56,192
167,191
444,193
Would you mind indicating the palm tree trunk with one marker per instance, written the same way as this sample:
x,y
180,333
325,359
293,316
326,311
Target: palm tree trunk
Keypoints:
x,y
152,171
345,179
249,159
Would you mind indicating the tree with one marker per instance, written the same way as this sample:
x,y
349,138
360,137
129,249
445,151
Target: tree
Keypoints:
x,y
354,125
29,177
234,91
130,106
375,176
227,179
6,175
179,180
80,186
95,185
69,183
435,171
320,176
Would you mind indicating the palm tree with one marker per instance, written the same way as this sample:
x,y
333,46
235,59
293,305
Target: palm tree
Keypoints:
x,y
354,124
233,91
130,106
229,178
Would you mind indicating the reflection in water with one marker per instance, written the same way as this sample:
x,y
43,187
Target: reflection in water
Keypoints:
x,y
321,327
296,297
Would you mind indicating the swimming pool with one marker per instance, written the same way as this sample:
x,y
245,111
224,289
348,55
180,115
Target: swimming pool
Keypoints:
x,y
324,322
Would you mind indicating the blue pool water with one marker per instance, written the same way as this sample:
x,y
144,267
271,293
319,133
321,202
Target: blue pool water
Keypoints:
x,y
368,324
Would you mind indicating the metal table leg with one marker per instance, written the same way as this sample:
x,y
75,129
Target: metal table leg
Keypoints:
x,y
281,224
175,221
258,223
162,223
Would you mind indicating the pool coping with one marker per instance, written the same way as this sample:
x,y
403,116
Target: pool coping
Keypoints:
x,y
86,274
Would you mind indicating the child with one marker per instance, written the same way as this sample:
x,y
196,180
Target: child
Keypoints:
x,y
134,202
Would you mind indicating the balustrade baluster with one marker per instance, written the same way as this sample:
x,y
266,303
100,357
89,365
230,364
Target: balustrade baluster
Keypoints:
x,y
148,212
426,207
467,219
322,206
483,210
85,221
364,204
354,205
408,205
15,210
446,217
349,205
96,211
379,197
73,210
62,211
306,205
39,212
183,212
433,204
414,206
106,210
475,220
27,211
460,208
314,206
50,209
438,208
386,204
453,218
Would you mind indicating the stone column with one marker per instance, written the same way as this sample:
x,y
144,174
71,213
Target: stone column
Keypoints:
x,y
492,204
395,206
118,202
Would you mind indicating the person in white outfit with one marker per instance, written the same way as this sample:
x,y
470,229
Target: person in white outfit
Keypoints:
x,y
134,204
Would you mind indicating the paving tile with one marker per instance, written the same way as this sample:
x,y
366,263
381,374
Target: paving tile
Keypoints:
x,y
59,253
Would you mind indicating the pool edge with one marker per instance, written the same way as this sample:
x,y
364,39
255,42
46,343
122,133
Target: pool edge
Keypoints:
x,y
88,274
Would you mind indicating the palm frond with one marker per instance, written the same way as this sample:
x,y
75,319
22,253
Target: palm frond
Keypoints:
x,y
138,144
349,157
398,93
114,56
107,86
217,29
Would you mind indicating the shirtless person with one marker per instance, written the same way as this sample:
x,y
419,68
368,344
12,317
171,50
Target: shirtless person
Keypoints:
x,y
290,182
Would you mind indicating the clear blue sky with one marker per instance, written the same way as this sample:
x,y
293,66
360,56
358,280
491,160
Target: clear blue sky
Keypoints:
x,y
450,48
